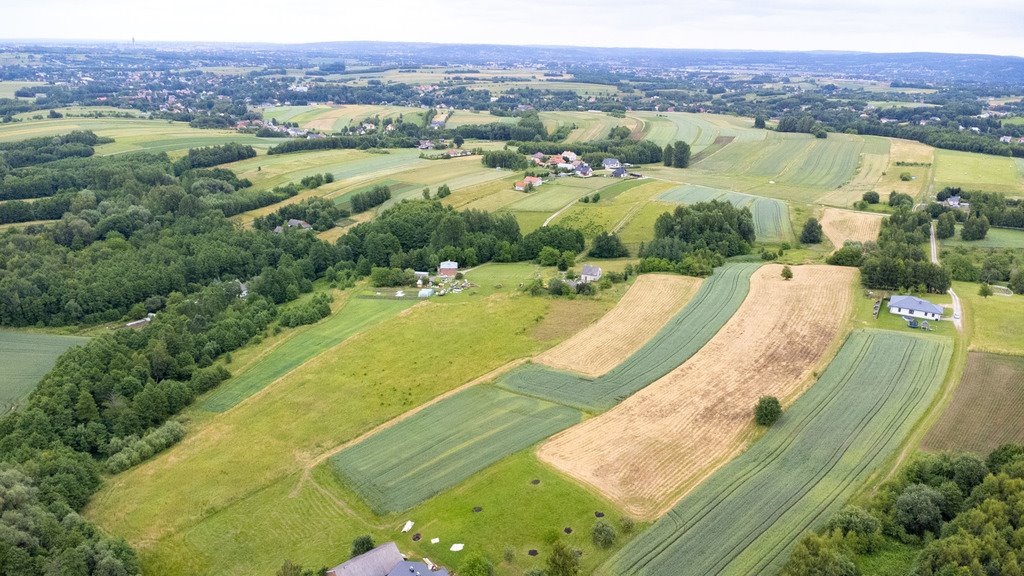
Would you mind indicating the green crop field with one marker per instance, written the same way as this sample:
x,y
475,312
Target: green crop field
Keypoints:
x,y
589,125
355,316
27,357
771,217
445,444
716,301
977,172
746,517
997,238
469,117
698,130
987,407
133,134
330,119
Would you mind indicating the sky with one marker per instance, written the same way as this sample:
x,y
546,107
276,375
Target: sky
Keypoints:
x,y
965,26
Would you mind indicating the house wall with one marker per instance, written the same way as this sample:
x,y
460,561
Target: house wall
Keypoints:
x,y
913,313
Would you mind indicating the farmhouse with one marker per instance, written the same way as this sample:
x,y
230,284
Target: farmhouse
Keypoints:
x,y
915,307
448,268
538,157
520,185
569,155
619,172
385,560
294,223
590,273
610,163
584,171
957,202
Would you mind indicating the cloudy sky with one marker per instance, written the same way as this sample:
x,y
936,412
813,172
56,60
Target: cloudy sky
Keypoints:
x,y
974,26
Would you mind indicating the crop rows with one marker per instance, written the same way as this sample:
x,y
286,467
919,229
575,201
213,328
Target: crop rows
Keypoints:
x,y
716,301
746,517
771,216
445,444
25,359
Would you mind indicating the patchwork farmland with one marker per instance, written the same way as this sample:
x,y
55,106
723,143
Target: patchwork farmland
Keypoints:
x,y
644,452
746,517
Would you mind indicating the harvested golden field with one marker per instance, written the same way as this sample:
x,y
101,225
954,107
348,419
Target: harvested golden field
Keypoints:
x,y
650,302
842,225
653,447
907,151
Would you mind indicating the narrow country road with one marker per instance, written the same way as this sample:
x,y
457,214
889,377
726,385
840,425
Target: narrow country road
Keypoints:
x,y
958,315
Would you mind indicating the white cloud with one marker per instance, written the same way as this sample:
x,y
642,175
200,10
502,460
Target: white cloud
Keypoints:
x,y
977,26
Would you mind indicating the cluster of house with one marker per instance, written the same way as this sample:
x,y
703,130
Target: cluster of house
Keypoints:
x,y
446,273
282,130
293,223
568,163
386,560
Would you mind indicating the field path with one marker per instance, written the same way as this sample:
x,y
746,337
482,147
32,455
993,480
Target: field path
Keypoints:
x,y
647,451
958,313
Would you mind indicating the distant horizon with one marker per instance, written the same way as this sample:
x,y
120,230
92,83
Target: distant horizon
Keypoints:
x,y
989,27
144,41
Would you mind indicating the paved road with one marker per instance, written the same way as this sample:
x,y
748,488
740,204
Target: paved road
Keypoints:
x,y
958,314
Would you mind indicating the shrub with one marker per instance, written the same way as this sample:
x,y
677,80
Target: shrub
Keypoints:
x,y
476,565
985,291
627,524
603,534
811,234
362,545
136,450
768,411
787,273
871,197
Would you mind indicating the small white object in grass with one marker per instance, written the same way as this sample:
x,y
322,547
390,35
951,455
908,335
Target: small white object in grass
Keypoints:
x,y
408,526
457,547
435,540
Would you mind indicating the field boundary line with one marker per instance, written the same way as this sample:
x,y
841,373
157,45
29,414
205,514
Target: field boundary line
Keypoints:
x,y
404,416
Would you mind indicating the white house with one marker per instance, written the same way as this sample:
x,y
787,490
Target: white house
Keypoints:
x,y
610,163
915,307
590,273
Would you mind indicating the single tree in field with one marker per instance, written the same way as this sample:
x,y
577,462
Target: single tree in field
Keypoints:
x,y
759,121
667,155
985,291
871,197
362,545
681,155
946,226
603,534
458,140
768,411
811,234
787,273
426,193
562,562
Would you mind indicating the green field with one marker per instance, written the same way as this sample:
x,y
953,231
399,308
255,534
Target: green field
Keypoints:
x,y
445,444
716,301
997,238
9,87
330,119
27,357
987,407
700,131
977,172
771,217
746,517
995,321
355,316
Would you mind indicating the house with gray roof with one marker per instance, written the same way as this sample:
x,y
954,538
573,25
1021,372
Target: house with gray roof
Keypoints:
x,y
610,163
385,560
590,273
914,307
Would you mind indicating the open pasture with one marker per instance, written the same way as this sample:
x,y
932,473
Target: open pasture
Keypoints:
x,y
657,443
708,310
620,203
589,125
553,196
995,321
26,357
640,226
746,517
133,134
470,117
445,444
996,238
972,171
354,316
842,225
987,407
698,130
648,305
771,217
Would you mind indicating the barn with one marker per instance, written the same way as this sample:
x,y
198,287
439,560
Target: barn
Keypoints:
x,y
448,268
915,307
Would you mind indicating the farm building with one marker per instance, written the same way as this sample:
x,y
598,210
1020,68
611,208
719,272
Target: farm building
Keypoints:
x,y
569,155
294,223
619,172
957,202
535,180
448,268
590,273
385,560
915,307
610,163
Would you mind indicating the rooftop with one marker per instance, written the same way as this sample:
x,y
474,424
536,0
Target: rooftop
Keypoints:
x,y
915,303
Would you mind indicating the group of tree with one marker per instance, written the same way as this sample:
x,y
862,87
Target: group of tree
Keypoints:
x,y
363,201
629,151
22,153
677,155
959,510
805,124
210,156
321,213
695,239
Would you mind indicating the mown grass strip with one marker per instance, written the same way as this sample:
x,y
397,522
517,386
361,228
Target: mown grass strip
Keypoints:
x,y
716,301
355,316
748,515
445,444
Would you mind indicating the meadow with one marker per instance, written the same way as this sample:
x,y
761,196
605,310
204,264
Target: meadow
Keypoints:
x,y
994,322
714,303
997,238
771,217
356,315
987,407
329,119
978,172
445,444
747,516
27,357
